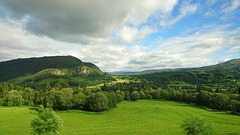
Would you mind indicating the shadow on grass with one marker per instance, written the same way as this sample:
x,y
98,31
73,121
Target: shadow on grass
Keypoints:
x,y
184,104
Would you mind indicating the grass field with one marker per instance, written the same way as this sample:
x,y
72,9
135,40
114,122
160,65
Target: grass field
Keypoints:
x,y
139,117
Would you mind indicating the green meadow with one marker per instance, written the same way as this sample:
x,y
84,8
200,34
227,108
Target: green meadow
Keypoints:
x,y
129,117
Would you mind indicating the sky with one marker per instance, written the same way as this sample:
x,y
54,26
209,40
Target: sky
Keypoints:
x,y
122,35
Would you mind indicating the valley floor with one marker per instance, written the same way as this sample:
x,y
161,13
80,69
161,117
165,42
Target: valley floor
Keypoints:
x,y
129,117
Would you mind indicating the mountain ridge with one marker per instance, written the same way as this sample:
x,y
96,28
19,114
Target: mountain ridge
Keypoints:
x,y
38,71
230,64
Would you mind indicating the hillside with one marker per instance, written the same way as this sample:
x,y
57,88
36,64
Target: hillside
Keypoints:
x,y
225,75
36,72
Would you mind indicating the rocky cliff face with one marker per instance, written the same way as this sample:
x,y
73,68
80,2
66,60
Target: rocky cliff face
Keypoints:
x,y
80,70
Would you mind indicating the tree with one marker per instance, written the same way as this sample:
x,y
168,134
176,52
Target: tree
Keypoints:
x,y
112,99
98,102
235,105
66,84
120,95
135,95
196,126
14,98
221,101
127,95
142,95
47,122
28,96
58,86
48,87
205,98
79,100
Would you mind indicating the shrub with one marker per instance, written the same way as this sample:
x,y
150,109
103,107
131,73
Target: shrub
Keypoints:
x,y
47,122
196,126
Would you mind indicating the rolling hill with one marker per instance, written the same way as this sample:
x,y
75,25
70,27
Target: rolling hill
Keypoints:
x,y
225,75
36,72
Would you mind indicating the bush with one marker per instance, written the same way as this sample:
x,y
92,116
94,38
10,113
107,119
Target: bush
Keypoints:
x,y
47,122
196,126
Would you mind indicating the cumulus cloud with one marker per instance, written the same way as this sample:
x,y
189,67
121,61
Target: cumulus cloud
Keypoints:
x,y
130,34
81,21
15,42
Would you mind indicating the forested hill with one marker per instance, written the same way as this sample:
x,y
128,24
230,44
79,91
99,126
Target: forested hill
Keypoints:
x,y
233,64
223,75
21,67
36,71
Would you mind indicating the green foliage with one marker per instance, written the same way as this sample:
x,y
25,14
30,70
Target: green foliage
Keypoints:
x,y
196,126
29,96
48,87
98,102
135,95
79,100
127,95
46,123
235,106
59,100
142,95
13,98
112,99
120,95
221,101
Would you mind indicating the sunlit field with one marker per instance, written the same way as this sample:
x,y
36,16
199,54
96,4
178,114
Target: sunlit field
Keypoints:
x,y
139,117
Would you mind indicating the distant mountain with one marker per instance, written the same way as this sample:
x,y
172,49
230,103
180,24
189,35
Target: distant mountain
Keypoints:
x,y
233,64
37,72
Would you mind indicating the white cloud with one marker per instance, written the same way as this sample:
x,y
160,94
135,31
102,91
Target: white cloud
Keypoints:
x,y
15,42
235,49
185,9
130,34
188,51
228,8
81,21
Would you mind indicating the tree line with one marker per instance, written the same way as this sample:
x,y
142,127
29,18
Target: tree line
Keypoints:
x,y
63,97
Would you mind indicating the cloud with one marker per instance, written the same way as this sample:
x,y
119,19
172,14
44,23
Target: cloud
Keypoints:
x,y
118,35
188,51
82,21
230,7
186,8
18,43
130,34
235,49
